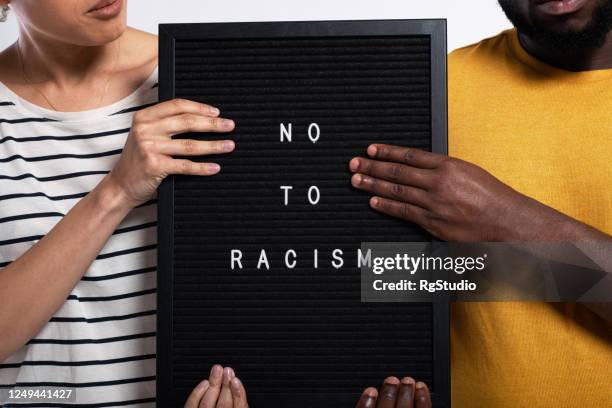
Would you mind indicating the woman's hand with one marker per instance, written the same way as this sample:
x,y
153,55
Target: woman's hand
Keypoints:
x,y
222,390
147,156
397,394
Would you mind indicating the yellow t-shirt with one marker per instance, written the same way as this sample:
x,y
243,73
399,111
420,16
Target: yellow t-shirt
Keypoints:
x,y
548,134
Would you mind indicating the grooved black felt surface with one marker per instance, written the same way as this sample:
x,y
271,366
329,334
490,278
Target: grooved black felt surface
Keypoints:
x,y
300,336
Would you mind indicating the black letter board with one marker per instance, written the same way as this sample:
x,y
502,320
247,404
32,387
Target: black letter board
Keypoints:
x,y
298,336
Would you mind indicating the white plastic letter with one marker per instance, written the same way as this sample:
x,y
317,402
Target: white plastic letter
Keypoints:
x,y
318,132
236,256
290,264
314,201
286,133
263,259
337,255
364,260
286,189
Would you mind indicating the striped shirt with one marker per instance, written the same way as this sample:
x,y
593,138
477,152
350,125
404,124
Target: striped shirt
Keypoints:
x,y
102,340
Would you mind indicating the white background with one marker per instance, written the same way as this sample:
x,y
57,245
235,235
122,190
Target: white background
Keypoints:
x,y
468,20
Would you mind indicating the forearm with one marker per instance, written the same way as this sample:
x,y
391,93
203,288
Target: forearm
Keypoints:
x,y
35,285
529,220
537,222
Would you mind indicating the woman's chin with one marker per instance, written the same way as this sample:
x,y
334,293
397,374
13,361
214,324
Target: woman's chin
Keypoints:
x,y
99,36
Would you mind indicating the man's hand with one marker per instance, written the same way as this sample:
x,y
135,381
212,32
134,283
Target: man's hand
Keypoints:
x,y
452,199
222,390
461,202
397,394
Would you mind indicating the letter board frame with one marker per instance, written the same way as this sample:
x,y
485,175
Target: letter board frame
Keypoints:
x,y
169,35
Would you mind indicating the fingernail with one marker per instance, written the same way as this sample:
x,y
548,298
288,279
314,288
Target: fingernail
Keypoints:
x,y
371,395
421,393
216,372
235,385
357,179
372,150
228,146
227,375
374,201
214,167
354,164
214,110
408,381
232,373
392,380
228,124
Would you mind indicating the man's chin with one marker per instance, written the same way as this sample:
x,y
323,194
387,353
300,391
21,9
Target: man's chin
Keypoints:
x,y
587,28
568,26
565,40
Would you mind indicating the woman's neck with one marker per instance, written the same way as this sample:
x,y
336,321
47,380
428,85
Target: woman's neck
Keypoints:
x,y
72,78
46,60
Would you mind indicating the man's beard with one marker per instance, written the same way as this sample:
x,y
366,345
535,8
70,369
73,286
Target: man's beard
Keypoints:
x,y
592,36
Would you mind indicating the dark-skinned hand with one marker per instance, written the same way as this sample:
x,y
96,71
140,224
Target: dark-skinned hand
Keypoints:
x,y
397,394
451,198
